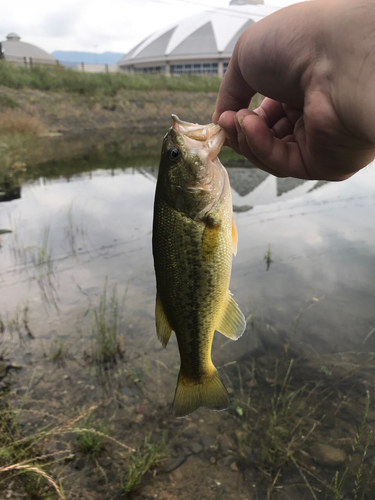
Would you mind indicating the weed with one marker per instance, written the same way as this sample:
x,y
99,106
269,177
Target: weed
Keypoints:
x,y
58,351
267,257
90,441
8,102
144,460
15,122
44,271
106,327
338,483
73,232
272,435
25,320
13,153
16,457
99,84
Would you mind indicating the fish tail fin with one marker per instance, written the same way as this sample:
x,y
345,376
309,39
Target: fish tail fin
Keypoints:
x,y
191,395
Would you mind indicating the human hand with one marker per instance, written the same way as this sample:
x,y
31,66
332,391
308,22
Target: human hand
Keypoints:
x,y
316,64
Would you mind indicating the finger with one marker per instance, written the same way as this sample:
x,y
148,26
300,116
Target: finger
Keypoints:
x,y
245,150
282,157
227,123
283,128
272,111
234,93
293,114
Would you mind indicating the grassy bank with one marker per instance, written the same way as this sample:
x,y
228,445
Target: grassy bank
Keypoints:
x,y
55,113
59,78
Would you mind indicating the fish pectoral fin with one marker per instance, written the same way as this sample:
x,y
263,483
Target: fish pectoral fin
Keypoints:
x,y
234,237
210,238
232,323
163,328
191,395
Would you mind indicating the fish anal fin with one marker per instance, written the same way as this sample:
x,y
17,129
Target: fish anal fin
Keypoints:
x,y
234,237
163,328
232,323
191,395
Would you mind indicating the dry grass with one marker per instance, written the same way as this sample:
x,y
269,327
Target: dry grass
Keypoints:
x,y
24,456
15,122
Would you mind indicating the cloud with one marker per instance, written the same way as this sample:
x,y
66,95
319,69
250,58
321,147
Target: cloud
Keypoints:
x,y
62,23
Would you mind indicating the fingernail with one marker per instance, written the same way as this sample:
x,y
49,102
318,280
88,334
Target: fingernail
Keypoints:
x,y
240,119
238,122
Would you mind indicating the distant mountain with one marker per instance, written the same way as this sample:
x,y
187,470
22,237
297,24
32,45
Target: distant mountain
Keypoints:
x,y
73,56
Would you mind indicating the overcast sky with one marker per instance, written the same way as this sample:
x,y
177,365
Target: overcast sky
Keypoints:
x,y
97,25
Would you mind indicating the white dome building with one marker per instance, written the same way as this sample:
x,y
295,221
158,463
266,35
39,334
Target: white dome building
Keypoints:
x,y
202,43
16,51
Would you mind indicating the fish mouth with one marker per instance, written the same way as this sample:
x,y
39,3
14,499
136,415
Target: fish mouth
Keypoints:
x,y
206,140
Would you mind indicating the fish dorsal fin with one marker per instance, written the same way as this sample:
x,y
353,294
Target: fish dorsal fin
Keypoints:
x,y
234,237
232,323
163,328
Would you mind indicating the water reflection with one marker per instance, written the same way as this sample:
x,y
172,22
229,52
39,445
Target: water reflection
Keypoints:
x,y
99,224
77,294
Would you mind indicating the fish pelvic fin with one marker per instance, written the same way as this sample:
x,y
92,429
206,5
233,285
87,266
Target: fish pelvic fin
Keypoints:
x,y
163,328
190,395
232,323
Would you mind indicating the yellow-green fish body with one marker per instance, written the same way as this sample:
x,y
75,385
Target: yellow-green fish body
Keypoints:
x,y
194,237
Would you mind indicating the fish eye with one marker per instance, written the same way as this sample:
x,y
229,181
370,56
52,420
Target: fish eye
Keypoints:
x,y
174,154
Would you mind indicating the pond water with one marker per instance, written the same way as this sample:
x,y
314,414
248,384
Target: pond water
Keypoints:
x,y
304,275
70,233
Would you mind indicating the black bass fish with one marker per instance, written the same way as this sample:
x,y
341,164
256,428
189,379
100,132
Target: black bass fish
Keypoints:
x,y
194,236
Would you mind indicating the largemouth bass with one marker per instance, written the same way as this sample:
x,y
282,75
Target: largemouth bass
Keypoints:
x,y
194,236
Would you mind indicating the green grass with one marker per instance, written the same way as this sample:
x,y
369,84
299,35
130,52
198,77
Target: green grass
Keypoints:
x,y
58,78
145,459
91,440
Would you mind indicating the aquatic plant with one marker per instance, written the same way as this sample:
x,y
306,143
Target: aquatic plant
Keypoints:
x,y
106,327
42,259
268,257
57,351
74,232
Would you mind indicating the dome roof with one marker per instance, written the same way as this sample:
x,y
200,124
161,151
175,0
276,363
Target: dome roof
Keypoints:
x,y
15,50
209,34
